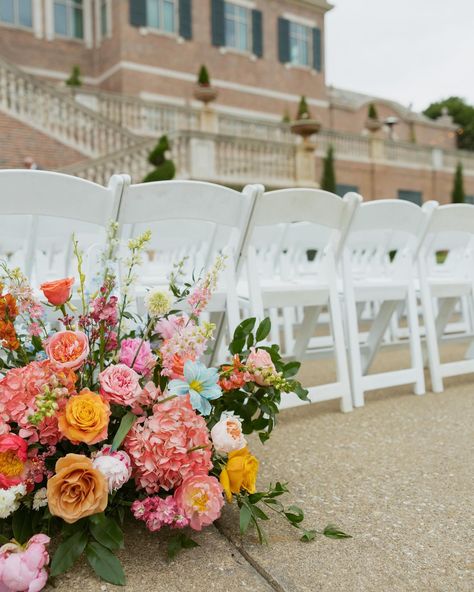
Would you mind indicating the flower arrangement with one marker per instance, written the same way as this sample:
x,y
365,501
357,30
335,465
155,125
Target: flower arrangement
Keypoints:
x,y
103,413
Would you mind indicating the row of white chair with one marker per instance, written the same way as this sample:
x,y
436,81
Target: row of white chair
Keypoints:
x,y
293,254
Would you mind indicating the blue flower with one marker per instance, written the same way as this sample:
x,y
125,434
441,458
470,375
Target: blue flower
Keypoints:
x,y
201,384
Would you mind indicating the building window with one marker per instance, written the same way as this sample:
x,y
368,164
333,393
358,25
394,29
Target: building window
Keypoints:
x,y
237,21
415,197
18,13
300,44
161,15
342,189
69,18
104,21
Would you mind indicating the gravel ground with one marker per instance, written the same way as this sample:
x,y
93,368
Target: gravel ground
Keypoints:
x,y
397,475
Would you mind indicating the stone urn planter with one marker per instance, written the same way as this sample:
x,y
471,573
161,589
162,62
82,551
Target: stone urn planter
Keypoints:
x,y
205,93
373,125
305,127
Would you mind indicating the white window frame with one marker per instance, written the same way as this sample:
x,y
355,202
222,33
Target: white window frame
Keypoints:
x,y
299,26
161,30
16,18
71,6
247,6
100,35
87,17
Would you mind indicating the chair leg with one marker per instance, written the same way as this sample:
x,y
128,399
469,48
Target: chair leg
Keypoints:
x,y
415,342
431,340
306,330
342,369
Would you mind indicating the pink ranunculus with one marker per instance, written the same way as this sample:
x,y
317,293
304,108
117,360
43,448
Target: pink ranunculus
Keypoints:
x,y
199,498
13,455
67,349
22,569
120,384
137,354
260,364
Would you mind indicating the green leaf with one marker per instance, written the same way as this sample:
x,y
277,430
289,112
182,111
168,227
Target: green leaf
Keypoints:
x,y
258,513
333,532
245,327
291,369
4,539
21,524
127,422
245,518
106,532
308,535
178,542
301,392
105,564
250,340
237,346
263,329
68,552
264,436
294,514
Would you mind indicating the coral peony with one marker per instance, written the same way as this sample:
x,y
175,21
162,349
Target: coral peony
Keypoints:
x,y
67,349
115,466
168,446
58,292
137,354
120,384
13,454
200,499
85,418
22,568
227,435
260,364
77,489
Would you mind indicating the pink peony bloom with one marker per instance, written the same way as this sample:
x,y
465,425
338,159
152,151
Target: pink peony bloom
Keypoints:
x,y
120,384
13,455
162,447
260,364
22,569
200,500
227,435
115,466
137,354
67,349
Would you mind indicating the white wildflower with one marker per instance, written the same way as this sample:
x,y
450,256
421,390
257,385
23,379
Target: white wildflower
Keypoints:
x,y
40,499
10,499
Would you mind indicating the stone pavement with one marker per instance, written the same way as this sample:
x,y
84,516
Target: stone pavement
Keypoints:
x,y
397,475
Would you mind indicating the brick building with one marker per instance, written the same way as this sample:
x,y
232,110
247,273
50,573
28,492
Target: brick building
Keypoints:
x,y
141,57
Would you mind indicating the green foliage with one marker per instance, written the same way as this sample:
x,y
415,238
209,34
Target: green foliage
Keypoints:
x,y
179,542
22,525
286,116
125,425
164,168
68,552
74,79
458,195
372,112
303,109
203,76
462,114
105,564
328,178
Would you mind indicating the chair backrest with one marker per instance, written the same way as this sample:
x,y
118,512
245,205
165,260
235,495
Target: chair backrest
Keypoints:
x,y
31,202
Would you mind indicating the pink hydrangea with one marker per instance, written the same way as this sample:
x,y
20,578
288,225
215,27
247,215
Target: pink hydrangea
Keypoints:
x,y
18,391
120,384
168,446
200,500
137,354
22,569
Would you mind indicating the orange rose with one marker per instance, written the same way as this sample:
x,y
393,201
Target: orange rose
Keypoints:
x,y
58,292
77,490
240,473
85,418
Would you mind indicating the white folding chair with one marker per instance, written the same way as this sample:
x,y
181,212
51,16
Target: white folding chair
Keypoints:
x,y
329,217
41,210
444,284
205,218
385,236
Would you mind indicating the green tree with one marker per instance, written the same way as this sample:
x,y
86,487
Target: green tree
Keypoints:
x,y
462,114
303,109
164,168
203,76
458,195
328,179
74,79
372,112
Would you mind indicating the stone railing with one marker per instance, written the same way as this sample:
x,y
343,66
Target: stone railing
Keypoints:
x,y
204,156
346,146
41,106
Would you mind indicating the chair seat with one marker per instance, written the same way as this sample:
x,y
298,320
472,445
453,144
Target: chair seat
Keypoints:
x,y
281,293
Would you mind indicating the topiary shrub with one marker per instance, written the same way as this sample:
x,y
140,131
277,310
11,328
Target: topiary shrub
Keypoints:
x,y
303,109
203,77
74,79
458,195
328,179
164,168
372,112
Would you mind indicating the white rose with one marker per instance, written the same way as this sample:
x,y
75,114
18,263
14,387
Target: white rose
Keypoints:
x,y
227,435
115,466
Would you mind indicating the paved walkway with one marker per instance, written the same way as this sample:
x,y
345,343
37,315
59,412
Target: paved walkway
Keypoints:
x,y
397,475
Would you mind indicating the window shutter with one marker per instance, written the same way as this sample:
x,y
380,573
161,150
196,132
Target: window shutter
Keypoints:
x,y
186,19
137,13
283,40
317,49
217,23
257,33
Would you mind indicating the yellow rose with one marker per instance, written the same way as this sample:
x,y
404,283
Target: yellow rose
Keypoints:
x,y
240,473
85,418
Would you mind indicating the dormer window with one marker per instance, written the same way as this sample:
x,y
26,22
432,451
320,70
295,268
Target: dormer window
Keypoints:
x,y
18,13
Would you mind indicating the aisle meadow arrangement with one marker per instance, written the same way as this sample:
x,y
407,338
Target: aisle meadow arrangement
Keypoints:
x,y
103,413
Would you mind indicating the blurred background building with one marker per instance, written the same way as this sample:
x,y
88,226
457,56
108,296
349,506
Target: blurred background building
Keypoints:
x,y
131,71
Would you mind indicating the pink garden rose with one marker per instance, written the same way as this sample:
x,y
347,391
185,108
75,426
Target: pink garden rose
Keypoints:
x,y
260,364
120,384
67,349
143,361
22,569
199,498
227,435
